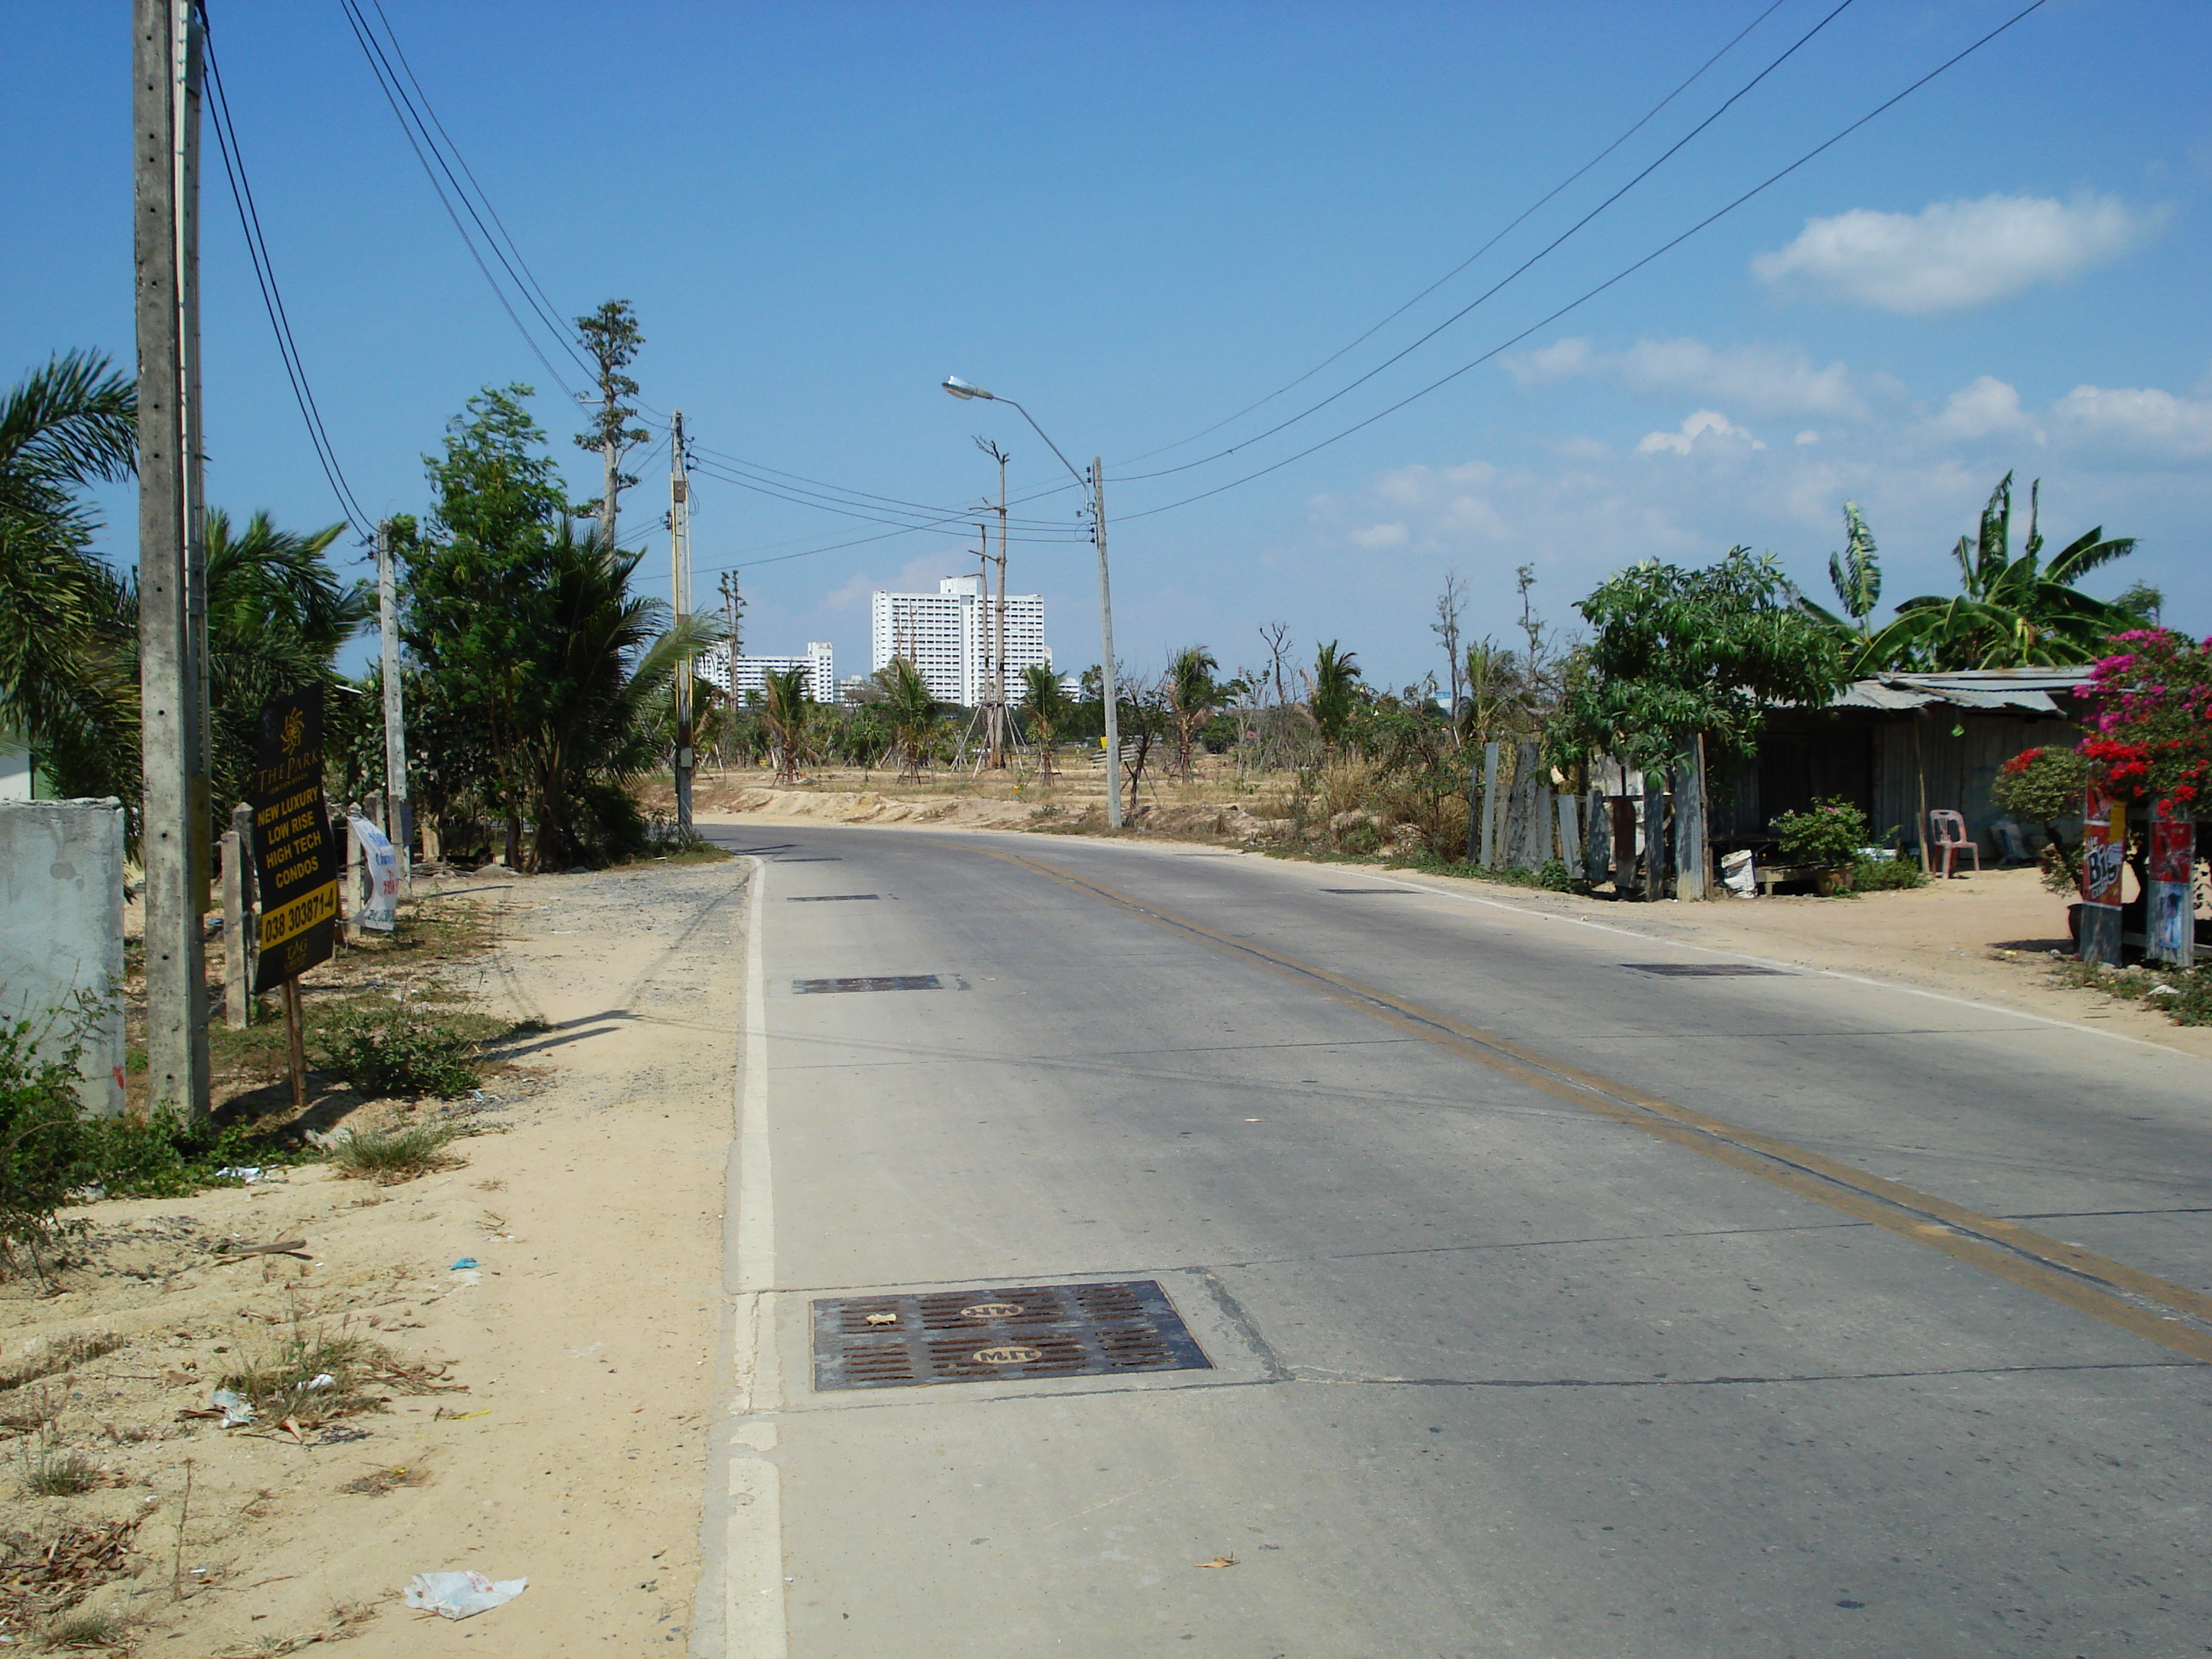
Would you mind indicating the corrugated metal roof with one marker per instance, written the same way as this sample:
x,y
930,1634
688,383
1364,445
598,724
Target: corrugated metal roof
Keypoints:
x,y
2028,688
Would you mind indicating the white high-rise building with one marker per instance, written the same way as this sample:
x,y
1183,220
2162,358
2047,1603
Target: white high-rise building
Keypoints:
x,y
818,664
949,636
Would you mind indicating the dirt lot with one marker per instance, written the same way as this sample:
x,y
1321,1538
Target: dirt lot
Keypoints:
x,y
539,1414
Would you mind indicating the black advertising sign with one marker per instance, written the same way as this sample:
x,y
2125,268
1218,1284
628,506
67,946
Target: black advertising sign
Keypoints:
x,y
295,853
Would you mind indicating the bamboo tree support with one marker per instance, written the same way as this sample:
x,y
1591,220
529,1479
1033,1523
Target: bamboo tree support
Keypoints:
x,y
294,1044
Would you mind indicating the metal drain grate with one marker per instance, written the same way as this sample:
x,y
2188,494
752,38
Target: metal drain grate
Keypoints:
x,y
1709,970
1354,891
828,898
870,982
810,860
999,1336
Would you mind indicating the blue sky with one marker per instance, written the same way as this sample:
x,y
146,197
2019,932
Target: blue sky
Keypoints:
x,y
1140,219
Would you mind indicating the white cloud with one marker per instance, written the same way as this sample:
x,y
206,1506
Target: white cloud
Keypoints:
x,y
2138,417
1953,255
1809,436
1705,423
1986,405
1377,536
1770,380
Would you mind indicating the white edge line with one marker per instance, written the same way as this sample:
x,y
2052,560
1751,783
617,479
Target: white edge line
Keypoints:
x,y
753,1615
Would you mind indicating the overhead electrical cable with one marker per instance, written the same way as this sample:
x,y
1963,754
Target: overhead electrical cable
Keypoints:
x,y
950,522
862,509
395,95
272,298
1503,231
1590,293
1402,355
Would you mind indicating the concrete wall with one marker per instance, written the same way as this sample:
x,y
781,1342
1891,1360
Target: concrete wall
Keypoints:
x,y
61,927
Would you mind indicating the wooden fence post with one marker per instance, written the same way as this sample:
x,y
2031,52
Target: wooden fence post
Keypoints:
x,y
1489,848
1570,841
1597,840
1518,805
1654,834
237,917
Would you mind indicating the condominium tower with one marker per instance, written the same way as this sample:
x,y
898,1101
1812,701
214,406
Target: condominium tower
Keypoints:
x,y
949,635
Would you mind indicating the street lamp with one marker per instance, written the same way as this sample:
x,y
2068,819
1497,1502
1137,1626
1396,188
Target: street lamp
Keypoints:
x,y
1095,485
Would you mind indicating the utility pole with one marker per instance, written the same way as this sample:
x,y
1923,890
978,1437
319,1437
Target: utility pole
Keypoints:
x,y
679,558
1106,633
399,818
734,609
997,623
165,122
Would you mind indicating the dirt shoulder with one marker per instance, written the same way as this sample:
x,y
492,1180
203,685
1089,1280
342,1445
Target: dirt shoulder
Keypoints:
x,y
541,1412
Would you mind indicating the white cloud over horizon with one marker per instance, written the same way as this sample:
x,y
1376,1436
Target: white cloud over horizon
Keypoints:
x,y
1767,379
1952,256
1699,423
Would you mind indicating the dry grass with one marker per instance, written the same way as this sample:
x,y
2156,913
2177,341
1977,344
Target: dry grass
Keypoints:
x,y
391,1156
346,1620
32,1411
377,1482
64,1353
42,1578
80,1633
57,1474
281,1385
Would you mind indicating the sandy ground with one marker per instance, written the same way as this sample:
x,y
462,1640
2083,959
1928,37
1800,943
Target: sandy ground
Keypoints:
x,y
1989,937
552,1401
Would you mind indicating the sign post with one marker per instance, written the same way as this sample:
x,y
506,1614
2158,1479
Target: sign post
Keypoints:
x,y
2104,860
2170,914
295,857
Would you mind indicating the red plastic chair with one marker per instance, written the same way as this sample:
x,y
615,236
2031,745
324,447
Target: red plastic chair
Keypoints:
x,y
1952,839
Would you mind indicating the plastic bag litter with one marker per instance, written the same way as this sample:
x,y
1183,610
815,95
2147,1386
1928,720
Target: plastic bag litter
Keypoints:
x,y
321,1380
460,1594
1738,875
248,1173
236,1408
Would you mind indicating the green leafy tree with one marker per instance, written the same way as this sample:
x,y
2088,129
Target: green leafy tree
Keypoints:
x,y
1335,692
912,713
1050,709
1680,653
68,631
1856,574
1191,693
611,335
2010,611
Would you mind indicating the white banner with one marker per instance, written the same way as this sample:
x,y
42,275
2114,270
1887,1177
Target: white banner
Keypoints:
x,y
381,863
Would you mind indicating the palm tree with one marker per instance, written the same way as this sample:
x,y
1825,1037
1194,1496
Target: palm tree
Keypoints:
x,y
2010,612
1856,574
1190,694
67,683
783,711
913,713
1048,710
1332,699
587,733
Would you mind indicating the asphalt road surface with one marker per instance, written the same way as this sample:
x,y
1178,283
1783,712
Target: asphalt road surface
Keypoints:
x,y
1551,1305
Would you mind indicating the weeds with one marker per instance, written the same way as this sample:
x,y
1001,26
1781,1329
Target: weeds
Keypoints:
x,y
34,1411
55,1474
377,1482
2183,996
1886,875
399,1050
63,1354
313,1377
392,1156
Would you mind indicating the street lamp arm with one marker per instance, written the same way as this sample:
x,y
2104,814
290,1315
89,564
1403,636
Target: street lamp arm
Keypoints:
x,y
1078,477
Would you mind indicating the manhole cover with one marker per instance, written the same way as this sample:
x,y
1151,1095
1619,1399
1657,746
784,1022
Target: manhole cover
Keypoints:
x,y
980,1336
828,898
1708,970
870,982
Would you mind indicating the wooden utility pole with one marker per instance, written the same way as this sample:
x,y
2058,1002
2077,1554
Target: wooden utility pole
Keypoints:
x,y
165,122
1106,640
398,811
679,559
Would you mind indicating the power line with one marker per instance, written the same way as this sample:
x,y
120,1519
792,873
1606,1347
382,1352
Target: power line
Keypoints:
x,y
395,96
1540,253
1620,276
272,298
925,517
1507,229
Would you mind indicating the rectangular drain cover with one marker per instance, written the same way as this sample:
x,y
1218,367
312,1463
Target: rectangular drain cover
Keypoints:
x,y
1708,970
870,982
828,898
810,860
1371,890
999,1335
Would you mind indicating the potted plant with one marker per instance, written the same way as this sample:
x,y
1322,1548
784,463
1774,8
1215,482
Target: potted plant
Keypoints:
x,y
1828,835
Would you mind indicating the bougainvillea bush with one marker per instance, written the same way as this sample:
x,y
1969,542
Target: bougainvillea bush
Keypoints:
x,y
2150,720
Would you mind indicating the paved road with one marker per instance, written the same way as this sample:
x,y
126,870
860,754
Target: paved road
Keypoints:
x,y
1555,1306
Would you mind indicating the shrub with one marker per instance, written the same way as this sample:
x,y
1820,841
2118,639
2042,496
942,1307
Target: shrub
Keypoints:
x,y
2043,786
402,1051
42,1135
1827,833
1886,875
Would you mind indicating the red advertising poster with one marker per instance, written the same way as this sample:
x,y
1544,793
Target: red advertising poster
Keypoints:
x,y
2173,844
2104,848
2170,914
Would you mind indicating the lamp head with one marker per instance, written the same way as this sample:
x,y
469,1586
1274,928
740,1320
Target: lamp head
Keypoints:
x,y
960,388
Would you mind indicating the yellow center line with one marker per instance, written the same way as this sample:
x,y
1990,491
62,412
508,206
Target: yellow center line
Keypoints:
x,y
2142,1304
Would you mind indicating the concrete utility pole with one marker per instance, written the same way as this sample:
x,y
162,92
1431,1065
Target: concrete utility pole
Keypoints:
x,y
1106,634
679,559
998,624
165,122
400,818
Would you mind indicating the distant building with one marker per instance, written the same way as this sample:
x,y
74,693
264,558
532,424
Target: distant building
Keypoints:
x,y
818,666
950,636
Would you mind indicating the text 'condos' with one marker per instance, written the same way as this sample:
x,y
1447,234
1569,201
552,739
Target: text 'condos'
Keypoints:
x,y
952,635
